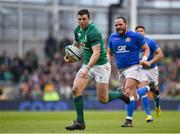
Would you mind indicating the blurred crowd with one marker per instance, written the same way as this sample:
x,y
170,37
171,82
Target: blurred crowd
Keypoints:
x,y
26,79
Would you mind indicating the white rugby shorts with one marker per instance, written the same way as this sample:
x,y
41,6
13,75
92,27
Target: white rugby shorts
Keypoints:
x,y
134,72
151,74
99,73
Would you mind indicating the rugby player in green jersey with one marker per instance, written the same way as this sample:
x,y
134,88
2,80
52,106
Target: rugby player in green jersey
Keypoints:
x,y
95,67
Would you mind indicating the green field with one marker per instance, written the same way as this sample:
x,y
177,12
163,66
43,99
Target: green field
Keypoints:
x,y
96,122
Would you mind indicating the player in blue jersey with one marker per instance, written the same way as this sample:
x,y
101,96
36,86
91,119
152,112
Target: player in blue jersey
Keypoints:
x,y
150,72
125,46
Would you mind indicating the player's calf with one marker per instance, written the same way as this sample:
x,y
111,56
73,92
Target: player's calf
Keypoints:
x,y
123,96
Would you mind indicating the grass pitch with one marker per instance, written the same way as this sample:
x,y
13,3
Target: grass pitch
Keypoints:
x,y
96,122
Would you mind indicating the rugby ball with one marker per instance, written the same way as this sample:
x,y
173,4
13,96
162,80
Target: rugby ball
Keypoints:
x,y
73,51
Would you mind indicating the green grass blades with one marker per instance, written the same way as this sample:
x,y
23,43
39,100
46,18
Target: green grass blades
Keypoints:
x,y
96,122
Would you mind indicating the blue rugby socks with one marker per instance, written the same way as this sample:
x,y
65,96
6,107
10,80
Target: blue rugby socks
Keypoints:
x,y
142,91
146,103
130,108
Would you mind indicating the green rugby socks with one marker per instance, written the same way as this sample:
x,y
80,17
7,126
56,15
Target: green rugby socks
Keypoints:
x,y
78,101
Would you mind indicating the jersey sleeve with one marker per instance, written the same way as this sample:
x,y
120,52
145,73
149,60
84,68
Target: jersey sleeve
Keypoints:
x,y
94,37
153,45
140,40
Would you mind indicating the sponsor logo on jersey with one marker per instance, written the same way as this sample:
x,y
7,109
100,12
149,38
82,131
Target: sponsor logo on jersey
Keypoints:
x,y
122,49
128,39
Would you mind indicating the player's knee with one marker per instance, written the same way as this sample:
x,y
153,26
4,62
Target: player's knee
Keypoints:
x,y
103,99
129,92
75,91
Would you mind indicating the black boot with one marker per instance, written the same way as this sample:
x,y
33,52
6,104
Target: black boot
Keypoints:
x,y
123,97
127,123
153,88
76,126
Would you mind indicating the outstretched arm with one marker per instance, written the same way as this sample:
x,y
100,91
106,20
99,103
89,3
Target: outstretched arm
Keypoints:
x,y
158,55
146,51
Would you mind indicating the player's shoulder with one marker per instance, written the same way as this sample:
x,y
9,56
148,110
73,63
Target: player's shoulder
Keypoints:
x,y
93,28
114,34
150,41
133,34
130,32
77,29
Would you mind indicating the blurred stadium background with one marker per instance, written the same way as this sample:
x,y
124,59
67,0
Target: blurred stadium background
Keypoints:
x,y
34,77
33,34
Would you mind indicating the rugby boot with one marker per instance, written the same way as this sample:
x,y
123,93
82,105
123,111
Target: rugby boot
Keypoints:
x,y
127,123
149,118
76,126
153,88
123,97
158,111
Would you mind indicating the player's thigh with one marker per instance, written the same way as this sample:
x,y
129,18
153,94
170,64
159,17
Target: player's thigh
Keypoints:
x,y
80,83
122,80
134,72
130,86
143,84
144,76
102,73
154,74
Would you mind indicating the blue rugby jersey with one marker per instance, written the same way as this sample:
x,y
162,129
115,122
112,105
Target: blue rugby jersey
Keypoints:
x,y
153,46
126,48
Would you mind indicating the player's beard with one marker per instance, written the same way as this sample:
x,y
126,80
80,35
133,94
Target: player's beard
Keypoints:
x,y
121,31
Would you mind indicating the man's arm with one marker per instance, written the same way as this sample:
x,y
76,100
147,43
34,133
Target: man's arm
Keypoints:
x,y
109,54
158,55
95,56
146,51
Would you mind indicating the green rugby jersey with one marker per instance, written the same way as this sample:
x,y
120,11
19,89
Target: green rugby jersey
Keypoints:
x,y
90,37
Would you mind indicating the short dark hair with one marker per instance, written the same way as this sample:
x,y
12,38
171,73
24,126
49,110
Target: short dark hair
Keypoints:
x,y
83,12
123,18
140,26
